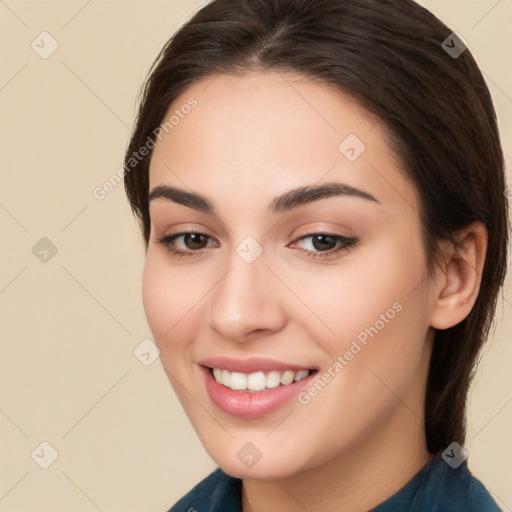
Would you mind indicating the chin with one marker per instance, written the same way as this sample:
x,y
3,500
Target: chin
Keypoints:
x,y
235,460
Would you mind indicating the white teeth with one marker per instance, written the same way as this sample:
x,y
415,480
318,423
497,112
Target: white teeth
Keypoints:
x,y
217,373
238,381
273,379
301,375
287,377
257,381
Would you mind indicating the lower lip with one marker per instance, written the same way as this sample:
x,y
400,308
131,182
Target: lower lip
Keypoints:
x,y
255,404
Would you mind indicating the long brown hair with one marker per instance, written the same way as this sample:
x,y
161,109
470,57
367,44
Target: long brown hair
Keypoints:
x,y
390,56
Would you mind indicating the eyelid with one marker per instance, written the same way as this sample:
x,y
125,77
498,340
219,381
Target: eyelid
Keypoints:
x,y
319,228
167,238
346,244
325,233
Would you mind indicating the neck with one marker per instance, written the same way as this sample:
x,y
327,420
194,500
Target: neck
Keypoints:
x,y
356,480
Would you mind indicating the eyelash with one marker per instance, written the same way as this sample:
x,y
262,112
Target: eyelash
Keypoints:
x,y
346,243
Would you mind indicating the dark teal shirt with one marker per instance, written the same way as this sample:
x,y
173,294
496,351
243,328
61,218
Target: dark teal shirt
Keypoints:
x,y
435,488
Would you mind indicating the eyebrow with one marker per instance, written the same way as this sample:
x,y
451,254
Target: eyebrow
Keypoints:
x,y
283,203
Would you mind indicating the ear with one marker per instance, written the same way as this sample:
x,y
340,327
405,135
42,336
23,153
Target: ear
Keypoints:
x,y
458,279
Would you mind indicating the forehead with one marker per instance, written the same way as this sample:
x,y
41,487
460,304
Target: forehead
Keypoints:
x,y
270,131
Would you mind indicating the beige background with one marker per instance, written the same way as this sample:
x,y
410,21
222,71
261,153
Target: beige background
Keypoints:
x,y
69,376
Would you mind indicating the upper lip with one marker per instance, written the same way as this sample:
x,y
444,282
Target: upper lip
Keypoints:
x,y
251,364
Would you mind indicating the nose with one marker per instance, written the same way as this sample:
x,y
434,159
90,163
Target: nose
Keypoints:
x,y
245,301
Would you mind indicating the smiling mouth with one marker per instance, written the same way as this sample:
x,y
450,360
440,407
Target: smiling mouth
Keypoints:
x,y
258,381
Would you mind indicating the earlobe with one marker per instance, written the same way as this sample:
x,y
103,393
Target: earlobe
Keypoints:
x,y
458,281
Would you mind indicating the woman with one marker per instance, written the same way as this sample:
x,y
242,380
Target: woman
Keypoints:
x,y
320,188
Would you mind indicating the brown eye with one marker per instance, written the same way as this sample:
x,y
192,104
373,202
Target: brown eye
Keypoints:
x,y
323,242
195,241
318,245
186,244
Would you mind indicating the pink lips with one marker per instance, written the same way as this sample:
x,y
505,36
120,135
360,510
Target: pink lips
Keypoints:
x,y
254,404
251,365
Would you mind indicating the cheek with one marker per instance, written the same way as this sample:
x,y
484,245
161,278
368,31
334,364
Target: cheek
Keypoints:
x,y
376,307
363,292
171,299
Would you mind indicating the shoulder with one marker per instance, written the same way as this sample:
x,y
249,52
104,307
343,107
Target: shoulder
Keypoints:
x,y
439,487
218,491
463,491
452,489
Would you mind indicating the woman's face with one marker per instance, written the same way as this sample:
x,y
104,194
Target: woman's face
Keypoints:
x,y
330,278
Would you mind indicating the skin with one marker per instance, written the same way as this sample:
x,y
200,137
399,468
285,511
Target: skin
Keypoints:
x,y
250,138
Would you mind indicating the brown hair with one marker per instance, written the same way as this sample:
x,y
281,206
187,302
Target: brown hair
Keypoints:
x,y
387,54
